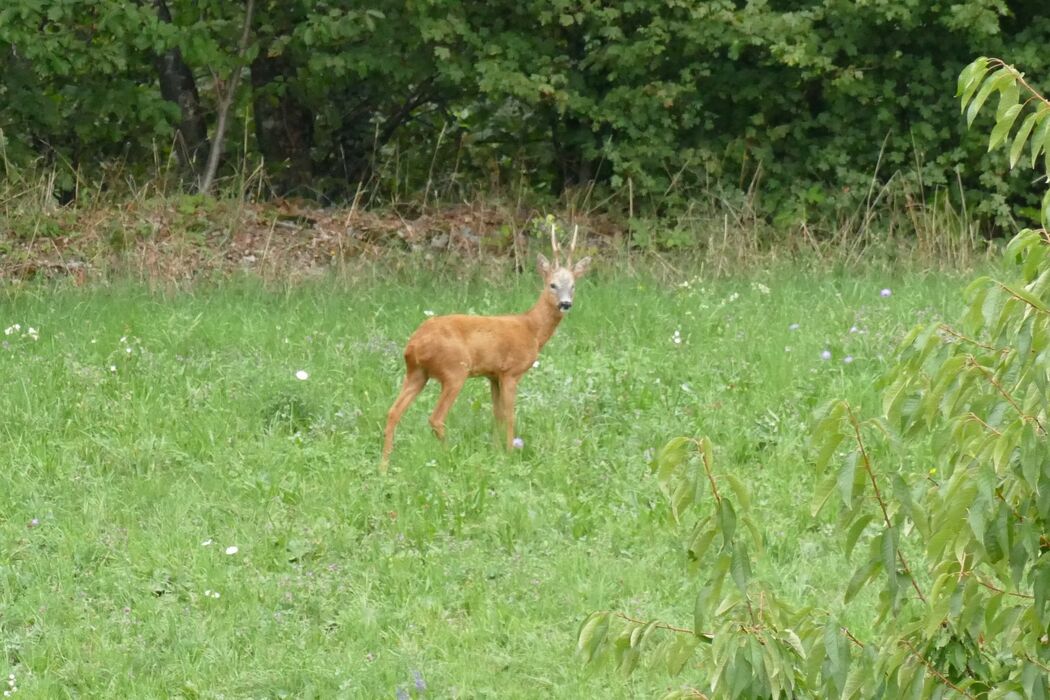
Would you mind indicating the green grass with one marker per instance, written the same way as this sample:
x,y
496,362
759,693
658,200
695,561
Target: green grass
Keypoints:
x,y
142,425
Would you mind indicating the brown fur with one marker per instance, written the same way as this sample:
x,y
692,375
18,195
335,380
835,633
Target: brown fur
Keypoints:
x,y
451,349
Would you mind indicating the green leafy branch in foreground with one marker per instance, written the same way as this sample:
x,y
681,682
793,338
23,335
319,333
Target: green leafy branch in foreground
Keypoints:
x,y
956,534
985,76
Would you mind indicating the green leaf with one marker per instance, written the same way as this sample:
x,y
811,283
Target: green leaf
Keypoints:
x,y
827,450
741,567
681,652
739,490
700,604
793,641
996,81
1003,126
889,552
969,79
1009,94
592,634
1022,137
821,494
706,532
860,577
846,478
976,516
855,531
1042,133
1034,681
726,521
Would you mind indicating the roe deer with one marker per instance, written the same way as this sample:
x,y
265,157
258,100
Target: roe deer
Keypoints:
x,y
452,349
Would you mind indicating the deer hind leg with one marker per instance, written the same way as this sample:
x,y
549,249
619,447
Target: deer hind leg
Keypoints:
x,y
497,406
415,380
508,387
450,387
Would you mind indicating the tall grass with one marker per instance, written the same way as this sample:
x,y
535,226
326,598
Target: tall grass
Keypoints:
x,y
145,433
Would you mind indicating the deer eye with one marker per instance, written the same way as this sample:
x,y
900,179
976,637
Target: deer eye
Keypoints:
x,y
553,286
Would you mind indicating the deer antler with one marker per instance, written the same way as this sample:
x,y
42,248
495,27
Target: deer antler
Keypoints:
x,y
554,246
572,246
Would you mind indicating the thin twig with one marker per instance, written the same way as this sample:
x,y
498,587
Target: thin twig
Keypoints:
x,y
849,636
999,63
878,497
974,417
707,470
1037,307
662,626
1035,662
930,667
993,587
972,361
952,332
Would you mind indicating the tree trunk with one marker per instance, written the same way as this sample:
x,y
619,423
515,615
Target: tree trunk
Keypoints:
x,y
177,85
226,94
283,124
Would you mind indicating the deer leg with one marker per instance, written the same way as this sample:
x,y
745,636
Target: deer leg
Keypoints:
x,y
415,380
450,387
508,392
497,408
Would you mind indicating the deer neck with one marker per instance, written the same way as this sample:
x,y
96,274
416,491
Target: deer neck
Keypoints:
x,y
543,318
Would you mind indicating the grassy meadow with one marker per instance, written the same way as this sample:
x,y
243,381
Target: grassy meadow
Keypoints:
x,y
180,515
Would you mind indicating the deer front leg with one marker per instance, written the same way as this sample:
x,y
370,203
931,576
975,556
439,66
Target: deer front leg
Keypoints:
x,y
508,389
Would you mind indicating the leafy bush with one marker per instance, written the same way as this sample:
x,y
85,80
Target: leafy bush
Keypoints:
x,y
945,493
807,109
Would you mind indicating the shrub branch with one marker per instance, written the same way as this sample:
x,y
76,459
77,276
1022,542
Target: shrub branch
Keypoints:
x,y
972,361
878,497
933,670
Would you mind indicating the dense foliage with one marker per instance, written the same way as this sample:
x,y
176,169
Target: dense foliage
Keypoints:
x,y
785,102
944,494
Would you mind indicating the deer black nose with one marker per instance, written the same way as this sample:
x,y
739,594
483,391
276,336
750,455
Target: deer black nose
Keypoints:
x,y
565,305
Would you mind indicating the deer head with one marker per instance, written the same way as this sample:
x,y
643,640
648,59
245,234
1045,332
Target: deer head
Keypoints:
x,y
560,281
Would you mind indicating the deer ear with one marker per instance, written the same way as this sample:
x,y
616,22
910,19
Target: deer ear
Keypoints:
x,y
543,264
580,268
